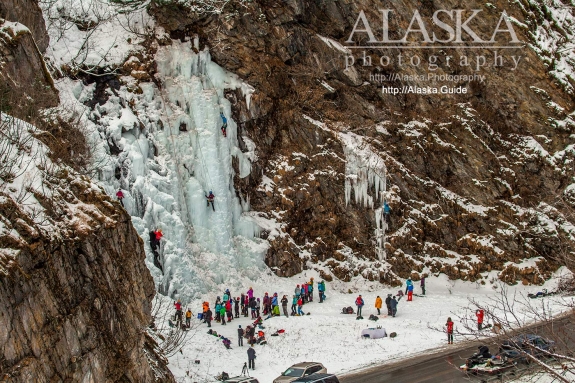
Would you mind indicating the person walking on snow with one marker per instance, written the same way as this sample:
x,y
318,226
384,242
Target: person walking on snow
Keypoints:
x,y
449,325
387,304
240,336
120,196
479,314
378,303
422,284
359,303
224,124
284,302
393,305
210,199
252,357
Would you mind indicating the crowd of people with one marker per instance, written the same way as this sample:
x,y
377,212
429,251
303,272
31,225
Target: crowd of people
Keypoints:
x,y
227,308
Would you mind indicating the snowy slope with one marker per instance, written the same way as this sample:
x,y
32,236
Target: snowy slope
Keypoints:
x,y
332,338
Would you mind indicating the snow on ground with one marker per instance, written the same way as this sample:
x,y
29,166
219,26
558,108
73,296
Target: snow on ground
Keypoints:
x,y
332,338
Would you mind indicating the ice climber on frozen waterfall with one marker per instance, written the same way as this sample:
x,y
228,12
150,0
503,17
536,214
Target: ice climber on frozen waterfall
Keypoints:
x,y
210,199
224,124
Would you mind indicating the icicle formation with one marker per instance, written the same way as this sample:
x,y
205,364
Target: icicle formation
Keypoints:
x,y
364,172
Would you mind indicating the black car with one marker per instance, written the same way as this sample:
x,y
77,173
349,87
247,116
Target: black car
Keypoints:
x,y
531,344
318,378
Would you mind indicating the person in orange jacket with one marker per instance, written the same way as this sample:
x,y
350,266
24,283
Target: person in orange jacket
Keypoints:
x,y
378,303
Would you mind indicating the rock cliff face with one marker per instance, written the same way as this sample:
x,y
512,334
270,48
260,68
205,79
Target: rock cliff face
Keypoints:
x,y
27,12
24,79
75,297
476,181
75,294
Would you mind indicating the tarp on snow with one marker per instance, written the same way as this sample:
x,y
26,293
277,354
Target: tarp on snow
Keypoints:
x,y
374,333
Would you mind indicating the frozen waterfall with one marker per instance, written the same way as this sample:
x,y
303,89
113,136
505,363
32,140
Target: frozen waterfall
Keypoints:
x,y
172,153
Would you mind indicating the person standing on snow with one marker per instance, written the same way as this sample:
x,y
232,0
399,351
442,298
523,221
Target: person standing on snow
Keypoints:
x,y
223,314
359,303
299,306
188,318
449,325
479,314
250,293
229,310
258,307
393,305
297,291
178,305
284,302
210,199
378,303
407,284
208,317
410,292
321,289
252,357
240,336
293,305
242,303
267,304
310,290
237,307
422,284
304,291
275,306
120,196
253,307
387,303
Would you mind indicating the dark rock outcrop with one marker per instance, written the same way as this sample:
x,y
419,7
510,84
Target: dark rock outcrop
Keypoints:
x,y
27,12
24,78
75,300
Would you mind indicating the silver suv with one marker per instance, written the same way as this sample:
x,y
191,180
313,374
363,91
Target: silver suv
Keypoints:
x,y
300,370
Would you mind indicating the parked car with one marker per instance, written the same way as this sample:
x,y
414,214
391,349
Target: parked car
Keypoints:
x,y
300,370
241,379
520,345
318,378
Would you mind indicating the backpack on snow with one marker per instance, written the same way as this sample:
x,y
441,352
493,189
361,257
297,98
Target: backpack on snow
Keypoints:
x,y
347,310
393,335
373,318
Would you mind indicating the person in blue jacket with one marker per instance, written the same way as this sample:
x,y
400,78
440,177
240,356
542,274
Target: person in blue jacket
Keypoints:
x,y
321,289
407,284
393,306
386,212
294,305
224,124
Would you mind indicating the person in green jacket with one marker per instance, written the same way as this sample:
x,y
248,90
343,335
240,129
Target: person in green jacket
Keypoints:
x,y
223,314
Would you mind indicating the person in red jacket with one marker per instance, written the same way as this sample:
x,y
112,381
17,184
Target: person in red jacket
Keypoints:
x,y
159,235
120,196
479,314
449,325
